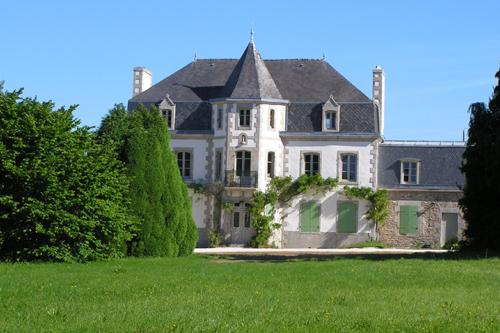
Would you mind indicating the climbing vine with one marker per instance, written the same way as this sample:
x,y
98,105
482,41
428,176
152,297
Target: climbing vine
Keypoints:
x,y
380,204
215,189
283,190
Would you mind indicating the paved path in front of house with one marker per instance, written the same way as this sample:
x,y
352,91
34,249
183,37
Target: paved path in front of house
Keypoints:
x,y
288,252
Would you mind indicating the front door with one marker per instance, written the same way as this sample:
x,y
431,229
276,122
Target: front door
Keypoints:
x,y
241,227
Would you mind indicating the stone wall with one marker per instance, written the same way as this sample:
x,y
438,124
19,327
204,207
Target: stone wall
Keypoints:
x,y
431,206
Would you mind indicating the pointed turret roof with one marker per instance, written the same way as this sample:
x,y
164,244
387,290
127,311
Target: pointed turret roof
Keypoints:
x,y
250,78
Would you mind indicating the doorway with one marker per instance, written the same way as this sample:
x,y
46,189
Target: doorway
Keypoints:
x,y
242,229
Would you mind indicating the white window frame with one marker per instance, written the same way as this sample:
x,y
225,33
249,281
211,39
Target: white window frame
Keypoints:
x,y
304,163
341,168
246,116
333,125
414,161
168,113
183,168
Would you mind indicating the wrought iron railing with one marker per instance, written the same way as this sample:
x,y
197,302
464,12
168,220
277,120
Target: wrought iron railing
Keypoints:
x,y
239,178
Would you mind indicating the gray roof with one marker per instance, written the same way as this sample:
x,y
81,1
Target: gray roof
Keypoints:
x,y
297,80
354,118
250,78
438,167
307,82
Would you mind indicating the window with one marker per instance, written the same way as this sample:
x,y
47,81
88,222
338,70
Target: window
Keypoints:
x,y
349,167
244,118
137,73
331,120
311,164
331,112
408,216
219,119
137,81
184,163
409,171
218,165
270,165
167,114
309,217
136,90
271,118
243,159
347,217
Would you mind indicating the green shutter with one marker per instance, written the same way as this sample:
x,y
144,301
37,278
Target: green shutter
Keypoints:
x,y
413,220
408,220
347,217
310,217
270,210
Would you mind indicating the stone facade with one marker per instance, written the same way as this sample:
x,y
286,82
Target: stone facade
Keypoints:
x,y
431,206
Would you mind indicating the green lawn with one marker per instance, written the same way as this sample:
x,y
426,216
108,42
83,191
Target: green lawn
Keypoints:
x,y
223,294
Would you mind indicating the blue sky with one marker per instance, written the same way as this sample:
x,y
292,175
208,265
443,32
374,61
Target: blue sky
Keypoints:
x,y
438,56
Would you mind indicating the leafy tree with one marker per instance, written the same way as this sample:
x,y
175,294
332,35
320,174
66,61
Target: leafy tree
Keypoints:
x,y
158,196
62,195
481,200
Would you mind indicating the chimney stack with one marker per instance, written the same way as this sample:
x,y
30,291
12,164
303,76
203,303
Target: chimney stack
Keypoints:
x,y
379,94
142,80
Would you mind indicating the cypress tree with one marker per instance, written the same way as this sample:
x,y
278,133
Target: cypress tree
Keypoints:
x,y
159,197
481,200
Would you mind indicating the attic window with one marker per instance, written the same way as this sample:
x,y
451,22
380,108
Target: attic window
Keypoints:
x,y
410,171
212,64
301,65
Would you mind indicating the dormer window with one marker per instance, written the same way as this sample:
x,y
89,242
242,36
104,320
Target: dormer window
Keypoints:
x,y
167,114
331,120
331,111
410,171
167,110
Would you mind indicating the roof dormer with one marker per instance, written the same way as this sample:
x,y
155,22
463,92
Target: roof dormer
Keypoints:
x,y
331,115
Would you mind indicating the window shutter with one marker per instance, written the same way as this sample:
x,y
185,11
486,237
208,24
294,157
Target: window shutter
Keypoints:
x,y
403,219
310,216
314,216
347,217
413,220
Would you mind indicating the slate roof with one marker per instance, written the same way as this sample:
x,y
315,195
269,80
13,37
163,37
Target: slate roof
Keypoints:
x,y
354,118
438,166
299,81
250,78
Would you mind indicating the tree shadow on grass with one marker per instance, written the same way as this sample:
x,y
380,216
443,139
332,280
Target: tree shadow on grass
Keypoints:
x,y
291,257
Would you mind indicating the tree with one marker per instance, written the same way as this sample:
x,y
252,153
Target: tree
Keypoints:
x,y
158,196
481,166
62,195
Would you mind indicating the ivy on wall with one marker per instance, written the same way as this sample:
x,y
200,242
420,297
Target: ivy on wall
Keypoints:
x,y
283,190
380,206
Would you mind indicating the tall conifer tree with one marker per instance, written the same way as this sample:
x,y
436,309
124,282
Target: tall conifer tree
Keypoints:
x,y
159,197
481,166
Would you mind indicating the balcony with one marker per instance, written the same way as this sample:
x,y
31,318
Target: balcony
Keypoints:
x,y
239,178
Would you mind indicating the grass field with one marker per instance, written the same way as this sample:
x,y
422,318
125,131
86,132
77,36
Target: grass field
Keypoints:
x,y
438,293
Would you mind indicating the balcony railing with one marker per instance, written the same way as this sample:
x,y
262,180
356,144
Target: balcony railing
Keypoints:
x,y
238,178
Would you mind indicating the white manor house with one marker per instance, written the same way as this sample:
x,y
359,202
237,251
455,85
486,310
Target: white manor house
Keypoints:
x,y
243,121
